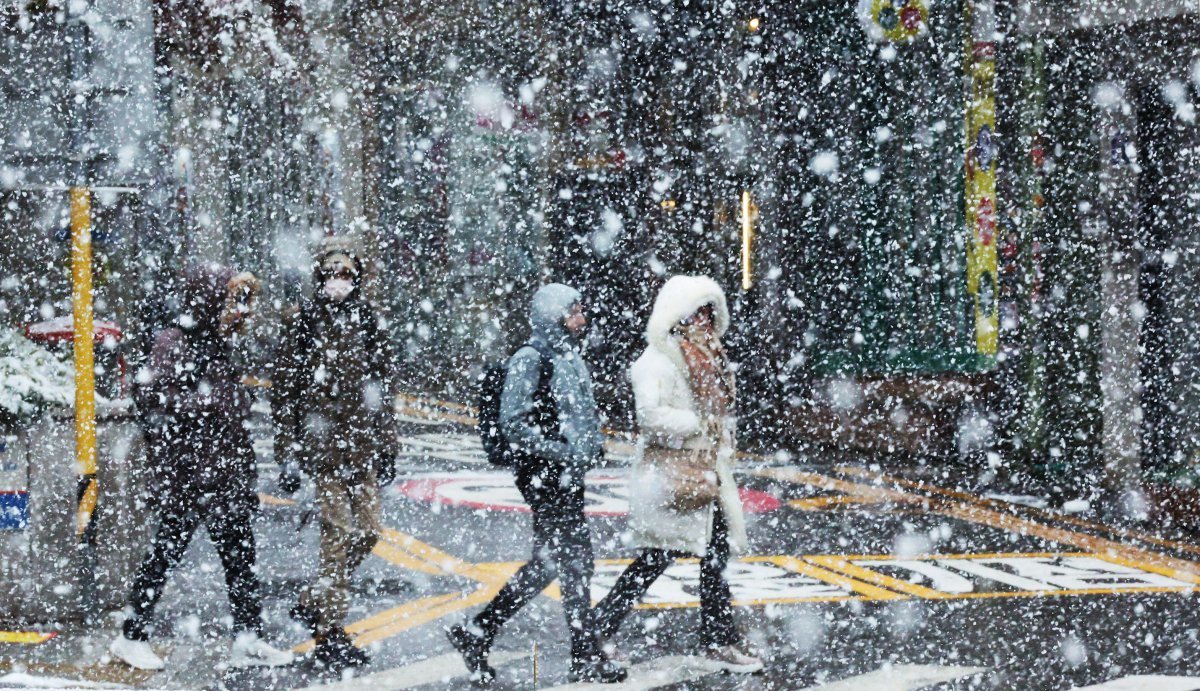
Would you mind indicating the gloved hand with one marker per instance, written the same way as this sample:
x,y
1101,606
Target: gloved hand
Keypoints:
x,y
289,480
385,468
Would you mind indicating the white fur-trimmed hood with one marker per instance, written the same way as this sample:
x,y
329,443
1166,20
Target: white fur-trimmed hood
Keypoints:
x,y
679,299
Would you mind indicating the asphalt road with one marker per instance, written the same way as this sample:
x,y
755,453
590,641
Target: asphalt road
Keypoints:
x,y
856,578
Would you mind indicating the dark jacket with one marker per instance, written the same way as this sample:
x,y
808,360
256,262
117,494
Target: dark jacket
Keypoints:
x,y
191,397
333,387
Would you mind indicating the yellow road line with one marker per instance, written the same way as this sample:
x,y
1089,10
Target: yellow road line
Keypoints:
x,y
417,618
26,637
843,564
822,503
430,559
993,519
272,500
408,552
993,503
859,586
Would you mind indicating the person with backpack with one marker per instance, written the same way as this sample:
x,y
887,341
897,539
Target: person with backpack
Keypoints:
x,y
683,498
332,399
545,425
191,399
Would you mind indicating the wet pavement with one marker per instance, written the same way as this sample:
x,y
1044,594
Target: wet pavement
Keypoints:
x,y
856,578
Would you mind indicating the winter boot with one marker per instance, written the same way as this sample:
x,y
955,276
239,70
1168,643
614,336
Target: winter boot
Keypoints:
x,y
597,670
474,651
306,615
335,651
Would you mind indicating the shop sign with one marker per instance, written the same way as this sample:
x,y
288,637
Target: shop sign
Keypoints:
x,y
14,489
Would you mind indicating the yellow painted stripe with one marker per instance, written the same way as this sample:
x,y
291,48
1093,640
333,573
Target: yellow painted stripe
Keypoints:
x,y
428,400
415,619
822,503
26,637
844,565
431,559
390,616
993,519
858,586
997,504
272,500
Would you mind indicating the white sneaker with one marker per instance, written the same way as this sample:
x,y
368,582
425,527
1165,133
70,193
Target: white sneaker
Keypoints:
x,y
612,653
251,651
136,654
730,658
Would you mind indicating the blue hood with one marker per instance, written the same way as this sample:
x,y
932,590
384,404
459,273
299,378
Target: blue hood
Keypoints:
x,y
550,307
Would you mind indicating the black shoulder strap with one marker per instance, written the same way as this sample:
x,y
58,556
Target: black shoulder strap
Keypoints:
x,y
545,370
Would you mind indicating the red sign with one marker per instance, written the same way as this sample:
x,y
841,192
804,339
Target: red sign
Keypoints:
x,y
606,495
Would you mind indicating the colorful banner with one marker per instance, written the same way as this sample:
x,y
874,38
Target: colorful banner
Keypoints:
x,y
981,212
894,21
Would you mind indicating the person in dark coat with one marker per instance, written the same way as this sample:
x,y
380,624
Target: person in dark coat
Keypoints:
x,y
553,458
192,399
332,395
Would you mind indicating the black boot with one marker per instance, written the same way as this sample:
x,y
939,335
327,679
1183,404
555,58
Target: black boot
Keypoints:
x,y
307,616
474,651
336,651
598,670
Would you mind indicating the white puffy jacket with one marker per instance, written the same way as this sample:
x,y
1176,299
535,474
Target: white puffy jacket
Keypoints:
x,y
667,417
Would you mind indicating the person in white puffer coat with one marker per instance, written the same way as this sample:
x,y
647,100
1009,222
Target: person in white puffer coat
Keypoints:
x,y
684,391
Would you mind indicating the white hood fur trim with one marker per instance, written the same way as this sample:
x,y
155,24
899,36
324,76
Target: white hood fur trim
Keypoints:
x,y
679,299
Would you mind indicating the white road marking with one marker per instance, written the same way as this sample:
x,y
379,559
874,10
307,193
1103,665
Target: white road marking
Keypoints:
x,y
901,678
663,671
1143,682
429,671
30,681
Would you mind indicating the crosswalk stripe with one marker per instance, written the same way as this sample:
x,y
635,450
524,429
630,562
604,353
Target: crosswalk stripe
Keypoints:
x,y
429,671
900,678
1143,682
663,671
31,681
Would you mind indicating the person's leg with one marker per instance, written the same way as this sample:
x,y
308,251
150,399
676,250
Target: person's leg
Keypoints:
x,y
716,602
365,520
570,546
531,579
631,585
230,525
178,520
328,598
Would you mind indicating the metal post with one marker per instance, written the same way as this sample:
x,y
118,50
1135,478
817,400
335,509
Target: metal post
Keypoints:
x,y
748,211
85,371
81,280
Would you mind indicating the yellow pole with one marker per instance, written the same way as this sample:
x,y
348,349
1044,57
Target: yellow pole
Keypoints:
x,y
747,239
85,370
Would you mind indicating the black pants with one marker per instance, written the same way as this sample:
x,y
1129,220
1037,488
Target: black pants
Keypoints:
x,y
228,516
716,607
562,547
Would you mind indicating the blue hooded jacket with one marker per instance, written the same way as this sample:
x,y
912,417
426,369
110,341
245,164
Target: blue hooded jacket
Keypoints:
x,y
582,442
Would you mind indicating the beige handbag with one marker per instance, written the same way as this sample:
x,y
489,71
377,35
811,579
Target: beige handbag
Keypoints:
x,y
691,475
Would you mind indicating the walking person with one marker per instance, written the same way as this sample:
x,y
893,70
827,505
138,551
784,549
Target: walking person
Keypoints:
x,y
195,407
683,498
548,417
332,397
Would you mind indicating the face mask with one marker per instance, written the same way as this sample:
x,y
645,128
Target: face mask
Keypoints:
x,y
338,289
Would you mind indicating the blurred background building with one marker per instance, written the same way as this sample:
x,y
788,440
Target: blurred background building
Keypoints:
x,y
948,228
